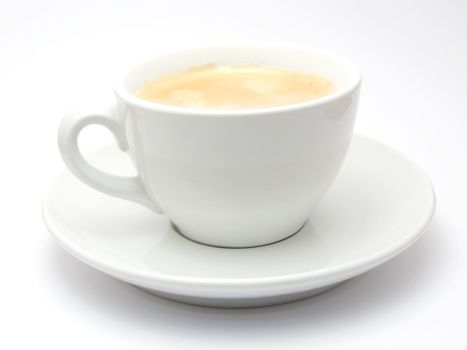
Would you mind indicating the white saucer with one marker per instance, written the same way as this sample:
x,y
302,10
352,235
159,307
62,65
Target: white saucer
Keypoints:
x,y
378,206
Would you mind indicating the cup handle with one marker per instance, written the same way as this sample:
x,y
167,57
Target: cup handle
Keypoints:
x,y
126,187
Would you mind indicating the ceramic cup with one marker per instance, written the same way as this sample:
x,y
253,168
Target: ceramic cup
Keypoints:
x,y
229,178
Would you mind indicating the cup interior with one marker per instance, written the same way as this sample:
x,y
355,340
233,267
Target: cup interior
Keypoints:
x,y
309,60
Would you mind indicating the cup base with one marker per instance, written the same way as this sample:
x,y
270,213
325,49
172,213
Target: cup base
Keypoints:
x,y
187,236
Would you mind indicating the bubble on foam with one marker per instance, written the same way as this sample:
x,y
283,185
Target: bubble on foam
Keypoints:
x,y
188,97
263,87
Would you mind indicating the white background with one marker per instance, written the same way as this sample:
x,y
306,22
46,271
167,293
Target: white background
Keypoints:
x,y
414,59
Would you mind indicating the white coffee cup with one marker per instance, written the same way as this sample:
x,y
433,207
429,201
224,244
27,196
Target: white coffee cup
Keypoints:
x,y
230,178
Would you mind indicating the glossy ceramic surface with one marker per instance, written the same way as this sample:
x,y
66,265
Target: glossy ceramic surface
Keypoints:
x,y
232,178
378,206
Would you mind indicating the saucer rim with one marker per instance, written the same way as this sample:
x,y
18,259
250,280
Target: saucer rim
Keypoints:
x,y
317,278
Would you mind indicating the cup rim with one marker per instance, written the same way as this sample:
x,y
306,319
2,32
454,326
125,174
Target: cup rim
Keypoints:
x,y
356,76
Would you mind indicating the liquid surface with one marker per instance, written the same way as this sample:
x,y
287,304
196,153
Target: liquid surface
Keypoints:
x,y
235,87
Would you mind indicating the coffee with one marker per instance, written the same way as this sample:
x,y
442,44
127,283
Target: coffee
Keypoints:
x,y
235,87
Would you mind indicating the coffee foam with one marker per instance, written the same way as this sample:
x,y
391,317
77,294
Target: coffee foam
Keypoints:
x,y
235,87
